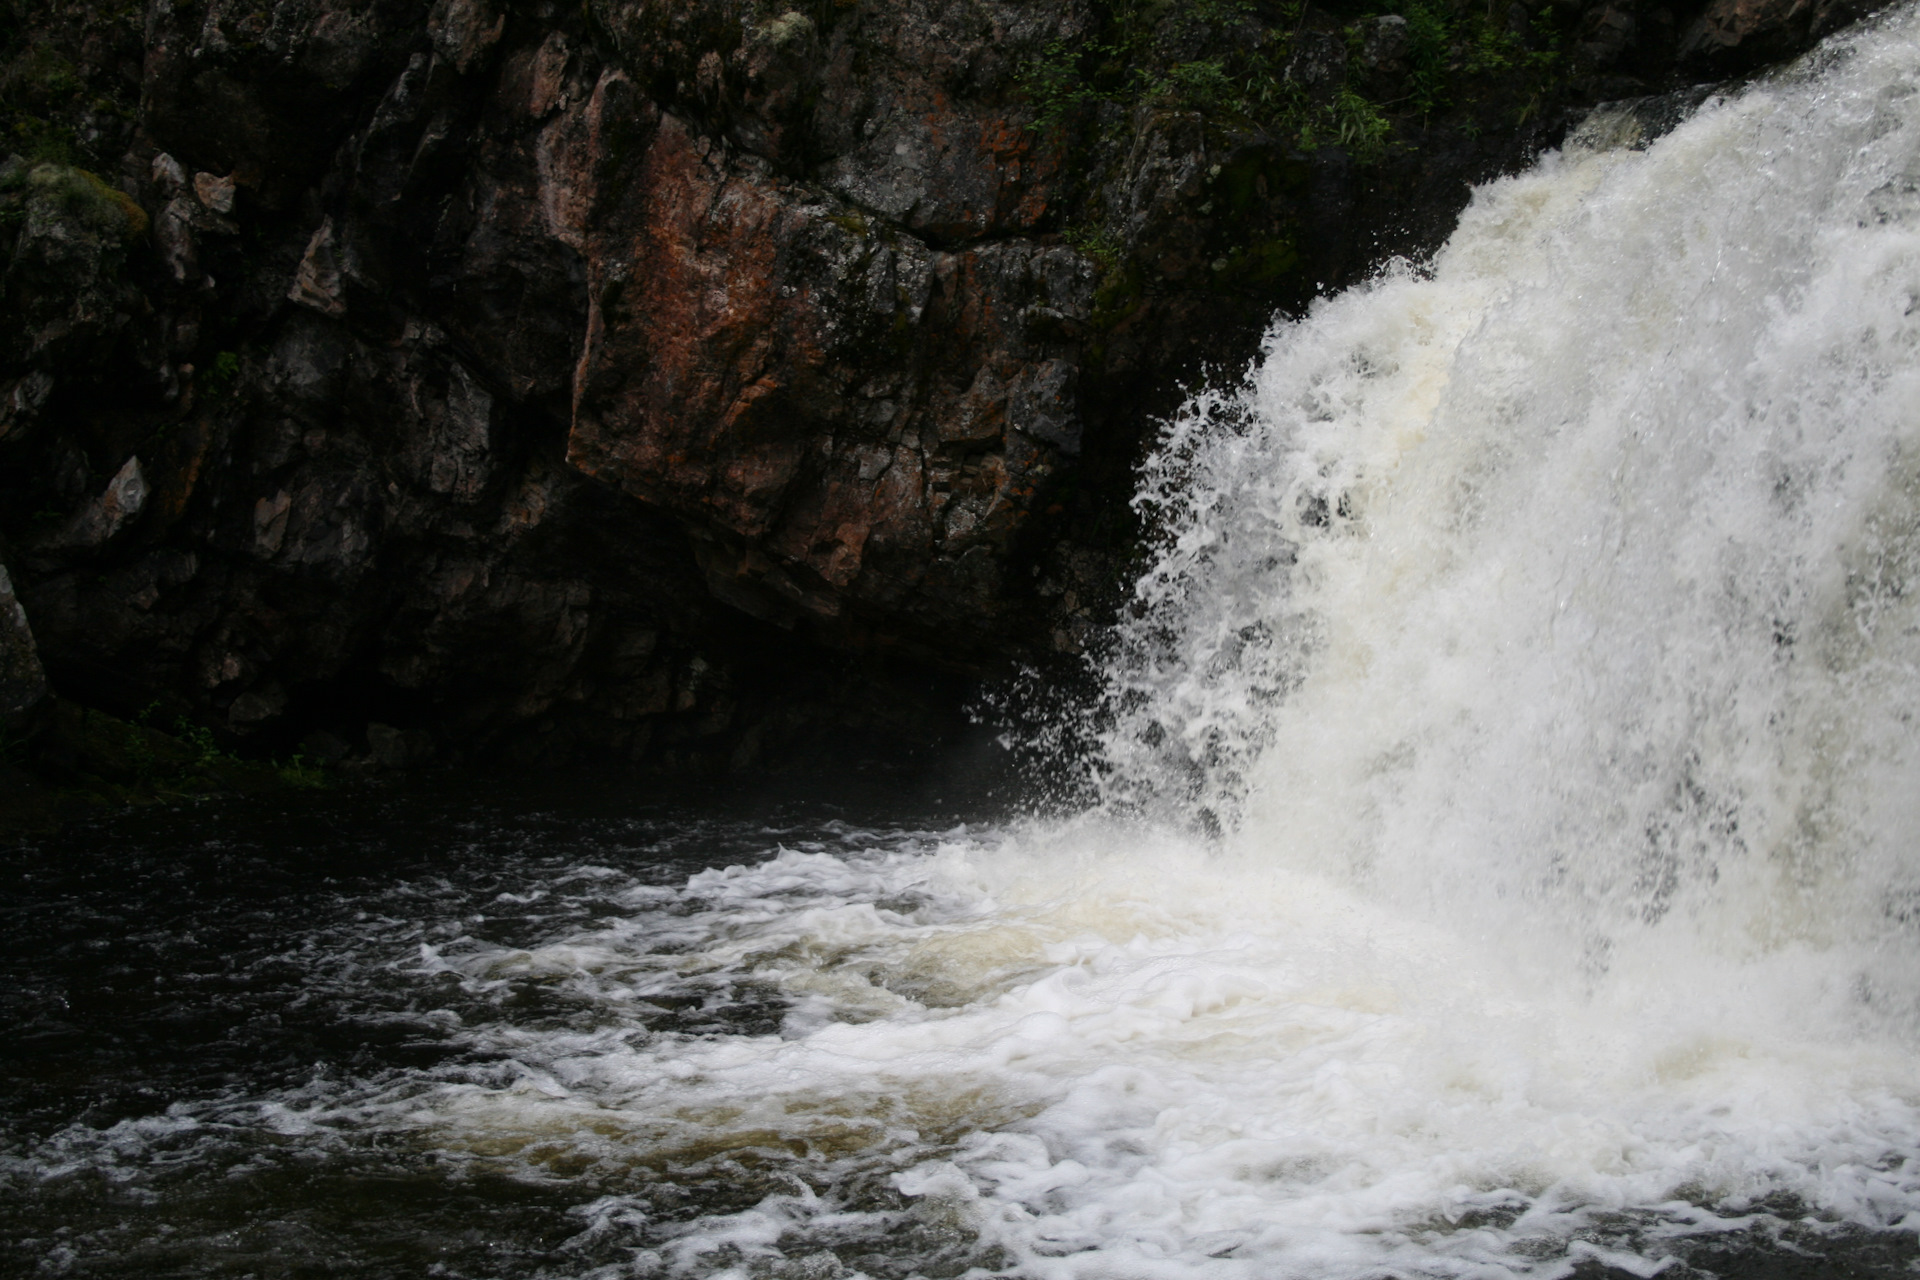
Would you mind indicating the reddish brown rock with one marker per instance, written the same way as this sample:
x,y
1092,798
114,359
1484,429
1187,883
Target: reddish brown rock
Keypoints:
x,y
810,388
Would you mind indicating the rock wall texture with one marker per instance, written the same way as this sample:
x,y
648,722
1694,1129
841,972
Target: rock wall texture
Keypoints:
x,y
23,684
689,384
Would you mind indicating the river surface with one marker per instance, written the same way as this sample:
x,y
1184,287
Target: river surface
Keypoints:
x,y
404,1033
229,1026
1502,860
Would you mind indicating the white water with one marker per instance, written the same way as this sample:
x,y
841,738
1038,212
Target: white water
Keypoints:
x,y
1541,629
1537,636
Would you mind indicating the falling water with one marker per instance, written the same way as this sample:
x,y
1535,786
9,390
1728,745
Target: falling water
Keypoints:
x,y
1510,852
1565,592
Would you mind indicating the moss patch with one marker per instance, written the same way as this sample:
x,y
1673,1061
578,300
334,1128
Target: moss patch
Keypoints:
x,y
1279,68
1265,261
105,210
1118,295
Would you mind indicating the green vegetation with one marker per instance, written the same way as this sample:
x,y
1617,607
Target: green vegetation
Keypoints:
x,y
1121,287
190,760
216,381
1254,71
58,116
199,741
78,759
61,101
853,224
1096,242
82,196
1265,260
33,84
1271,72
299,771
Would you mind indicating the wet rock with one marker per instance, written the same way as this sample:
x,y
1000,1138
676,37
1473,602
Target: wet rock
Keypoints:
x,y
1732,36
784,371
1635,123
268,91
1385,45
66,299
324,747
464,31
256,706
215,194
124,498
85,745
393,748
1605,34
21,402
23,684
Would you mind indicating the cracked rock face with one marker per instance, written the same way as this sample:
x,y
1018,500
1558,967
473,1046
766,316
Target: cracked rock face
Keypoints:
x,y
841,412
664,383
479,384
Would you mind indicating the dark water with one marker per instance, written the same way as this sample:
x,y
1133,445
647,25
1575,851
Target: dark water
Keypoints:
x,y
181,984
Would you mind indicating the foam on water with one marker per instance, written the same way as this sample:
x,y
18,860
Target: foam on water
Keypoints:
x,y
1508,857
1079,1051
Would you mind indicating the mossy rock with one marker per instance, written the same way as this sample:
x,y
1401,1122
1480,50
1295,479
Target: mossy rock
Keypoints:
x,y
106,211
78,743
1263,262
1120,293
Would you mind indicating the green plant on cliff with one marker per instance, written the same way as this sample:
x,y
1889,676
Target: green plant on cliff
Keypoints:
x,y
216,381
37,75
1118,295
62,98
1358,125
298,771
205,749
1429,45
1202,83
1053,82
1142,54
38,138
1265,260
1096,242
1448,51
1135,57
1237,65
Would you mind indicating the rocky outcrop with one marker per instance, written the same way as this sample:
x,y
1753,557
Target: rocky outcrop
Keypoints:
x,y
1734,36
23,684
687,384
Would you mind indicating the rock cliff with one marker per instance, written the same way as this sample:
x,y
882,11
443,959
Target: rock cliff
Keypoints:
x,y
691,384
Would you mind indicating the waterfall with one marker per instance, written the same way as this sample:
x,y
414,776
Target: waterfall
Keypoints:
x,y
1506,858
1569,582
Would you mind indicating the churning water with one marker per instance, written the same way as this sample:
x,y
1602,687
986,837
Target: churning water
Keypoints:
x,y
1508,864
